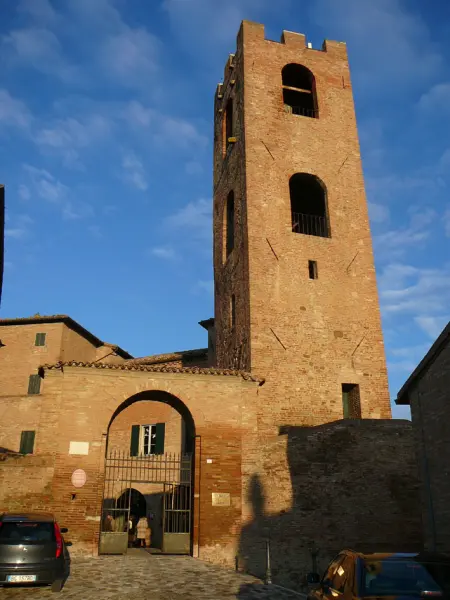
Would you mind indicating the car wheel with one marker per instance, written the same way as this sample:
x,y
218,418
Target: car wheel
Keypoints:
x,y
57,585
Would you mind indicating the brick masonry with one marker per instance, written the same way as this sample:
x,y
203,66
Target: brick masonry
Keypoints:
x,y
323,480
429,398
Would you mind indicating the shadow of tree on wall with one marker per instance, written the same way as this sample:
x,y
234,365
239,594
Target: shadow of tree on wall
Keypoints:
x,y
354,484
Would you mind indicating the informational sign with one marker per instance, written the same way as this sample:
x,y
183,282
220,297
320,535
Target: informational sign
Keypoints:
x,y
78,478
221,499
81,448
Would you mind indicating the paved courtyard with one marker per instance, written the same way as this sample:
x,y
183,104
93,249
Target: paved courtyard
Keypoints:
x,y
142,575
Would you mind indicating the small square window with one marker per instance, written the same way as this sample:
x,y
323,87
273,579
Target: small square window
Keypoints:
x,y
34,384
312,268
40,339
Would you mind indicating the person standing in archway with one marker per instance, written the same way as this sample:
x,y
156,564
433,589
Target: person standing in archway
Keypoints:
x,y
141,532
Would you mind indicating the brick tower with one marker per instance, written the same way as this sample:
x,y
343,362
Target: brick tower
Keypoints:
x,y
295,291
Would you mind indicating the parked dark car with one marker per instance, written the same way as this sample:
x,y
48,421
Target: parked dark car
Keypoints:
x,y
32,550
356,575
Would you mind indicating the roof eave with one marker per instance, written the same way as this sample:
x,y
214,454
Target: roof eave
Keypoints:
x,y
440,342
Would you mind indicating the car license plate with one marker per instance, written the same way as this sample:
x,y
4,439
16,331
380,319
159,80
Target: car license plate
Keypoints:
x,y
20,578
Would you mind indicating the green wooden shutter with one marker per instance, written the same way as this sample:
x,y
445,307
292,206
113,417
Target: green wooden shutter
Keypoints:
x,y
34,384
160,429
40,339
134,444
27,442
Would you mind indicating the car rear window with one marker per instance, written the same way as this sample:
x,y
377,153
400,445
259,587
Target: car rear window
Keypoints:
x,y
409,577
26,532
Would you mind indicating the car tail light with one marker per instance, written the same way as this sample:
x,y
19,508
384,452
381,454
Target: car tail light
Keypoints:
x,y
59,541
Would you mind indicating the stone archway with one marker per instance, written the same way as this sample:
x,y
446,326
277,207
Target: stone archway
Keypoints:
x,y
150,448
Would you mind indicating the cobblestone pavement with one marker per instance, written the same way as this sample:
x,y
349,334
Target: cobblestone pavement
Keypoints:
x,y
141,575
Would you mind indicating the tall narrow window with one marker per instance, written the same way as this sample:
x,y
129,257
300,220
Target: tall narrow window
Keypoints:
x,y
351,401
299,91
228,128
34,384
312,268
230,223
40,339
27,442
233,311
308,205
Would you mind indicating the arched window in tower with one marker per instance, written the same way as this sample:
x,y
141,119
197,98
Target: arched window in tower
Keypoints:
x,y
308,205
299,91
229,224
228,125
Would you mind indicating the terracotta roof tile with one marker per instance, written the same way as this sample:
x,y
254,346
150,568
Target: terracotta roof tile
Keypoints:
x,y
170,357
125,366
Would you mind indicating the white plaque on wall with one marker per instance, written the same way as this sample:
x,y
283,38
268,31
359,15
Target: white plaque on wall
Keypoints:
x,y
79,448
221,499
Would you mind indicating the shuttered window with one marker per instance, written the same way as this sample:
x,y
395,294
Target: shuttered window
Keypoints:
x,y
147,440
34,384
27,442
134,445
40,339
160,429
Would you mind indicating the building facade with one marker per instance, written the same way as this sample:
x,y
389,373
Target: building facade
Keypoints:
x,y
275,421
427,392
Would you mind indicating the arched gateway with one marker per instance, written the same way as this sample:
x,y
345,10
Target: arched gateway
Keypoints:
x,y
149,472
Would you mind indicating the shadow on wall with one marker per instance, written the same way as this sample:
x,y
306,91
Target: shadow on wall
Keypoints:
x,y
354,485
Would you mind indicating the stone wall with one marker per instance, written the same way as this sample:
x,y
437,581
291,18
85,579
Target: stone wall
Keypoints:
x,y
352,484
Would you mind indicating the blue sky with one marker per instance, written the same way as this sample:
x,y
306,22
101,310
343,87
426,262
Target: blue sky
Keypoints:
x,y
105,149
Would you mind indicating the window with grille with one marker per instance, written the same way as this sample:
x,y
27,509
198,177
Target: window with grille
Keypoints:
x,y
27,442
40,339
147,440
34,384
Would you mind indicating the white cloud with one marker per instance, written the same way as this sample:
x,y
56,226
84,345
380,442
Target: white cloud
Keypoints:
x,y
205,286
193,168
24,192
130,56
134,171
378,213
194,219
53,191
432,326
95,231
385,39
65,137
394,243
38,10
39,48
436,100
46,186
165,130
201,24
20,229
13,111
418,292
446,222
165,252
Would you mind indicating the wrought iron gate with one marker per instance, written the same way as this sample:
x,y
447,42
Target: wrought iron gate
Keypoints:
x,y
158,487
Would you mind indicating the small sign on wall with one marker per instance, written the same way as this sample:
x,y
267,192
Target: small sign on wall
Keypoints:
x,y
78,478
221,499
79,448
